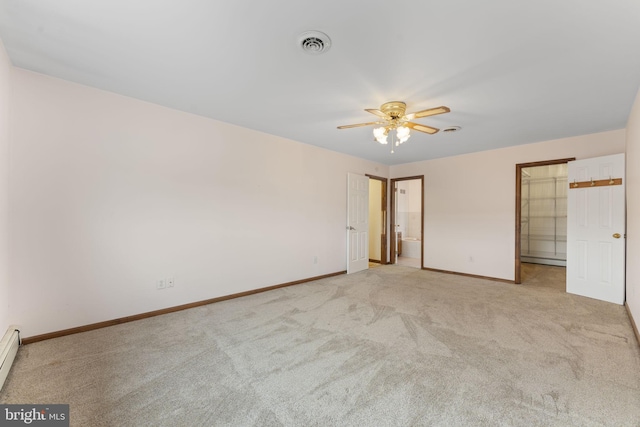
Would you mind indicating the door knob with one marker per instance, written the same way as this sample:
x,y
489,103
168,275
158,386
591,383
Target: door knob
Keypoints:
x,y
616,235
350,228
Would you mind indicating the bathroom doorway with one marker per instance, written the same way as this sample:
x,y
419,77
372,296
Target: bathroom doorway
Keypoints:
x,y
407,221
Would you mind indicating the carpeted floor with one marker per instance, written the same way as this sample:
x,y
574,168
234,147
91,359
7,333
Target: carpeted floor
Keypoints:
x,y
408,262
544,276
391,346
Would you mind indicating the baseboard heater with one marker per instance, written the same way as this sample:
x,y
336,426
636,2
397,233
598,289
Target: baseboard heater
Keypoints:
x,y
8,350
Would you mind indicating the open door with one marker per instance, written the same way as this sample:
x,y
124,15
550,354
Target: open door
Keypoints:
x,y
596,228
357,223
377,219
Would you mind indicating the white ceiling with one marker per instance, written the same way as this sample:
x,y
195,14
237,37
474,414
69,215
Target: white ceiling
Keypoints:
x,y
512,72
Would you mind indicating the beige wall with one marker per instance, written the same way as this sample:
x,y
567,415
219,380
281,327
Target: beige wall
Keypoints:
x,y
470,201
5,97
633,211
110,194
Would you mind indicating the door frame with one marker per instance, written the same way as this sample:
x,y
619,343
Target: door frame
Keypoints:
x,y
392,223
517,276
383,205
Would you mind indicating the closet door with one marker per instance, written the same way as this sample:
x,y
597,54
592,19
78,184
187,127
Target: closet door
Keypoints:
x,y
596,228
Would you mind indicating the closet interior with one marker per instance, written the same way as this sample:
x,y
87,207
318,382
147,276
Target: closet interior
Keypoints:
x,y
544,215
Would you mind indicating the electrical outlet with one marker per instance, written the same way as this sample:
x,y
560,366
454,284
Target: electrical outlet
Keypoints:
x,y
315,259
162,284
171,282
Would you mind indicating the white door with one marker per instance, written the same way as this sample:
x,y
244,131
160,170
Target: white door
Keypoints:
x,y
357,223
596,228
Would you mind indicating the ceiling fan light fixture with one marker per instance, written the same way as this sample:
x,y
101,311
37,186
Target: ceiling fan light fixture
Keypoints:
x,y
402,133
380,135
394,117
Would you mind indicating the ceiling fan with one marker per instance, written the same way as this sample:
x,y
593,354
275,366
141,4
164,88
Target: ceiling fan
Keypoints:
x,y
395,118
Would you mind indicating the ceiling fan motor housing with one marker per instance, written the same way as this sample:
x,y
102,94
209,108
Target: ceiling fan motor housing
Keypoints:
x,y
394,109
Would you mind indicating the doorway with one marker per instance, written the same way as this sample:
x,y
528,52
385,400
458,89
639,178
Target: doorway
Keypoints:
x,y
541,218
407,221
377,220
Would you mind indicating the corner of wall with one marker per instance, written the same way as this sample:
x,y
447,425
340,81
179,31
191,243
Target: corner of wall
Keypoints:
x,y
5,104
633,211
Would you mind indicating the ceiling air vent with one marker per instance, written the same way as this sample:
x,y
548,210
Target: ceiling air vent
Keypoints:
x,y
451,129
314,42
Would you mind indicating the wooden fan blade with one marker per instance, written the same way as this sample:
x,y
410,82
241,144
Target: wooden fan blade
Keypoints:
x,y
427,113
377,113
360,124
421,128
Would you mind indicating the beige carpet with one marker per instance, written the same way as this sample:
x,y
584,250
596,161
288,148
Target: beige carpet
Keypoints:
x,y
544,275
390,346
408,262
